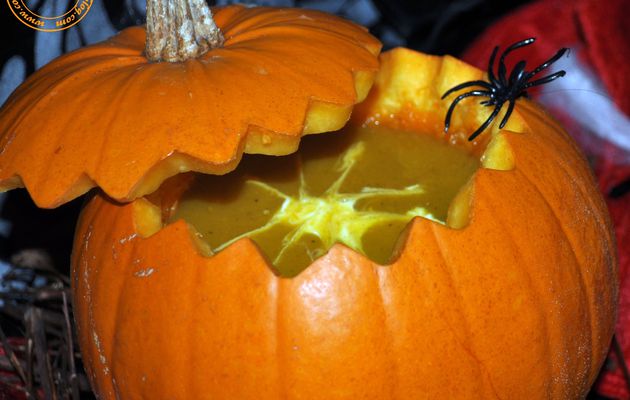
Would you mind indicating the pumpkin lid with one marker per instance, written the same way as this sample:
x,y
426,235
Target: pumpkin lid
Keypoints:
x,y
106,116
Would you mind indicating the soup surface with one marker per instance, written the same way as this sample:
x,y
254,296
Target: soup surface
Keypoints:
x,y
359,187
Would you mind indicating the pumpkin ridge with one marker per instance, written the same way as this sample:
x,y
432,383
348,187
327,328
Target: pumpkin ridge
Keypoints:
x,y
104,357
465,344
505,220
81,185
191,290
295,17
281,341
381,276
45,93
117,311
606,307
588,306
340,61
129,42
15,123
296,76
194,293
316,45
81,59
535,114
602,219
79,63
247,17
593,203
105,335
276,30
123,91
96,354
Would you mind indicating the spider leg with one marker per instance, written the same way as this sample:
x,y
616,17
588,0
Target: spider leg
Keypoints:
x,y
517,73
545,79
447,119
547,63
511,48
461,86
507,113
483,126
517,45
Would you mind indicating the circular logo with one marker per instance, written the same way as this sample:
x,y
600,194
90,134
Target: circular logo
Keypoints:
x,y
50,23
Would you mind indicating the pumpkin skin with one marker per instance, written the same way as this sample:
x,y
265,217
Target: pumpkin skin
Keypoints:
x,y
518,303
81,121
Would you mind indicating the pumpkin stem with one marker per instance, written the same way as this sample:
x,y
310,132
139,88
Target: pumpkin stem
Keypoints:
x,y
179,30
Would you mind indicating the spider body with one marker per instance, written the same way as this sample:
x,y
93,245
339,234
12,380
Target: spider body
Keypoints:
x,y
501,88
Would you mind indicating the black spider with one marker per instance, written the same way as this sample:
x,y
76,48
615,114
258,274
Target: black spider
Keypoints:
x,y
500,88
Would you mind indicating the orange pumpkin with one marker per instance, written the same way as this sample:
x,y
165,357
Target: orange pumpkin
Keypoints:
x,y
514,298
107,116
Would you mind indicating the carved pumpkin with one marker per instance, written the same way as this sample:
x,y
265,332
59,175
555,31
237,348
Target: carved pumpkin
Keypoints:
x,y
511,294
514,297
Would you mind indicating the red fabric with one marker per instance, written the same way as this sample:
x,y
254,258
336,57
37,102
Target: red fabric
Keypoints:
x,y
10,391
605,29
601,31
542,20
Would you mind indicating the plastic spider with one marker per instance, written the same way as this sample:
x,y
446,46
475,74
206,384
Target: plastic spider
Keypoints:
x,y
500,89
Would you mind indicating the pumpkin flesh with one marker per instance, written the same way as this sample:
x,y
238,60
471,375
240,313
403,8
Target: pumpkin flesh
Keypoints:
x,y
359,187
